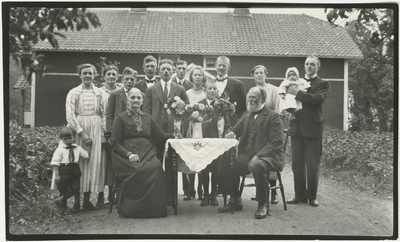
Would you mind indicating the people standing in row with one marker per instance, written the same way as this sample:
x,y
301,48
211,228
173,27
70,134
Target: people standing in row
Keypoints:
x,y
155,98
85,112
306,134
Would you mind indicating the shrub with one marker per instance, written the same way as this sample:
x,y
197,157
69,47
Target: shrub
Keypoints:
x,y
30,153
368,152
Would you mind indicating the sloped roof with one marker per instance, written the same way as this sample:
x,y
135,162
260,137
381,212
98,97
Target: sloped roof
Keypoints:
x,y
280,35
22,83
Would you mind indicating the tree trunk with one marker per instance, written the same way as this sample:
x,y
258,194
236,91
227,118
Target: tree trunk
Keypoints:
x,y
383,120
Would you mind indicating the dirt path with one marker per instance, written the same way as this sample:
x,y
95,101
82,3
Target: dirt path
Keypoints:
x,y
341,212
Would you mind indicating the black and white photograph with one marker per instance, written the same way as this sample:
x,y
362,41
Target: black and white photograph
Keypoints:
x,y
200,120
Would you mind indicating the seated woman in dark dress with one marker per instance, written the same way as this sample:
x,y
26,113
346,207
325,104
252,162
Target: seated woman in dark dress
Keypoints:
x,y
143,190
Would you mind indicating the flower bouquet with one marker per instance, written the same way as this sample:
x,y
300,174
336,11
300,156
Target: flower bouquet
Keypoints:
x,y
176,108
224,110
196,114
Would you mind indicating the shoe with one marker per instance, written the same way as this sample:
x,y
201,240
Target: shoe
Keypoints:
x,y
200,194
297,200
204,202
75,209
314,203
100,202
59,205
214,201
274,198
88,206
262,211
189,196
236,205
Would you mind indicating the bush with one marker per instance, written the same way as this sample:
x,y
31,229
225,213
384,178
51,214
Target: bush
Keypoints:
x,y
358,123
30,153
368,152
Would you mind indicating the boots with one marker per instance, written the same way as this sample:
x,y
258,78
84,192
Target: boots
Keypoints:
x,y
87,205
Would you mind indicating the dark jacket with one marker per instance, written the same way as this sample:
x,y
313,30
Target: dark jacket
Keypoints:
x,y
310,120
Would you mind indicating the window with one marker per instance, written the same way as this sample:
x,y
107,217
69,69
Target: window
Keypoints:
x,y
209,62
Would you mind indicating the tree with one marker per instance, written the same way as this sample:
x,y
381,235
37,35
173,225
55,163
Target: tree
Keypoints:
x,y
28,25
372,78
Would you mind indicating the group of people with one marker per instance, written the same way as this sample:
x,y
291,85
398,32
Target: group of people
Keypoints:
x,y
122,130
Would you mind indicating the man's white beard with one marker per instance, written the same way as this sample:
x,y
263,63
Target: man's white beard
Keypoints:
x,y
253,108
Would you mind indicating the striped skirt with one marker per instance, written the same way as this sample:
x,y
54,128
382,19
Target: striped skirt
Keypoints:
x,y
93,172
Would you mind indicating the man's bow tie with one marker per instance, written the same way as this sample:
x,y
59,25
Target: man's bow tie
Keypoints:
x,y
308,79
222,79
149,81
69,147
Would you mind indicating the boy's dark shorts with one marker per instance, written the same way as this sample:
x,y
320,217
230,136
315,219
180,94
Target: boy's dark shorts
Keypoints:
x,y
70,178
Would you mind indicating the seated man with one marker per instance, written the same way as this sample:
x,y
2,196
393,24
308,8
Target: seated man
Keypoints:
x,y
260,150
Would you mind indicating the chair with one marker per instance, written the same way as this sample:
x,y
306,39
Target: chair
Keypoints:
x,y
280,186
114,190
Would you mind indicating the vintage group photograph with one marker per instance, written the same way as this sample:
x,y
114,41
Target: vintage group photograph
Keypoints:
x,y
200,121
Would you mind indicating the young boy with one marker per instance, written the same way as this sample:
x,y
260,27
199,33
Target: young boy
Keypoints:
x,y
66,171
288,101
210,130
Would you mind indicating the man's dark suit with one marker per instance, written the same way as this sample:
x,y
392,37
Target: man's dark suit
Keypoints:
x,y
266,143
186,84
142,86
116,105
235,90
306,135
153,104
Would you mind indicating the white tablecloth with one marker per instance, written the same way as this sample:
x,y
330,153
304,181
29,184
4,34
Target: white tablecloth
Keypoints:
x,y
198,153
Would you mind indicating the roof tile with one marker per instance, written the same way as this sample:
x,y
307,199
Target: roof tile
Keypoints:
x,y
211,34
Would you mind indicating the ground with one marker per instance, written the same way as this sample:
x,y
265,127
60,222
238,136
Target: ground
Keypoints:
x,y
344,210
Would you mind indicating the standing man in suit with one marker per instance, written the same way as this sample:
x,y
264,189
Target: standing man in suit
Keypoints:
x,y
234,89
155,98
117,100
180,68
149,68
230,87
260,150
306,134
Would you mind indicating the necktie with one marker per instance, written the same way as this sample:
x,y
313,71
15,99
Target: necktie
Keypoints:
x,y
222,79
71,156
165,93
212,103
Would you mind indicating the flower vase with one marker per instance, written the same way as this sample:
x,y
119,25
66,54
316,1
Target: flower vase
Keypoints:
x,y
177,127
220,126
197,131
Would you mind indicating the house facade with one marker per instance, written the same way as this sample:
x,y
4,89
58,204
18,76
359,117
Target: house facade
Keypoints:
x,y
277,41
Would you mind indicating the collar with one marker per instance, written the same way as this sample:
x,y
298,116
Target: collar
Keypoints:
x,y
63,145
209,101
152,79
311,77
168,82
222,77
259,111
130,113
97,91
180,80
125,90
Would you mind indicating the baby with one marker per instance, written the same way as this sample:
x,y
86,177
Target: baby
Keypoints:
x,y
288,101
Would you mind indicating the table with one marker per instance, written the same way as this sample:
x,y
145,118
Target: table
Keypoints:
x,y
197,154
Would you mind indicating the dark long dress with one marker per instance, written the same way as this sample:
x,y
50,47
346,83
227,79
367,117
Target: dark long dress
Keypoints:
x,y
143,190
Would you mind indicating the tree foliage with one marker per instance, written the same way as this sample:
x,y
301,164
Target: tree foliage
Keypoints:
x,y
29,25
371,78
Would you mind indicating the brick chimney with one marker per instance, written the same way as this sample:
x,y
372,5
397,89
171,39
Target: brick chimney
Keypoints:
x,y
241,12
138,10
